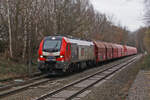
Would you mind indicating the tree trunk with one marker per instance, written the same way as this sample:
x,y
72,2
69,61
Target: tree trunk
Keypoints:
x,y
10,34
25,40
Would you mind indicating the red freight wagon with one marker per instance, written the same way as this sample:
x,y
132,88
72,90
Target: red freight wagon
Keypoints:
x,y
129,50
119,50
108,50
132,50
115,51
100,51
124,50
135,50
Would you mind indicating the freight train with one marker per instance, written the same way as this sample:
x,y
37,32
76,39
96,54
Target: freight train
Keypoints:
x,y
62,54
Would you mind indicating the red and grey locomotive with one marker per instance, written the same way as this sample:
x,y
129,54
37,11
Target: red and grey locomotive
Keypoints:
x,y
57,53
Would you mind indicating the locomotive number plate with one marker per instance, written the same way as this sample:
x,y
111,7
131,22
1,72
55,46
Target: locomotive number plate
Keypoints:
x,y
51,58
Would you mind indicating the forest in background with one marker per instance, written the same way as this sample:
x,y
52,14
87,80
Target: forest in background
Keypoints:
x,y
24,23
143,34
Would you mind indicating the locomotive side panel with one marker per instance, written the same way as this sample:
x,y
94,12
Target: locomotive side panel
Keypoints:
x,y
74,53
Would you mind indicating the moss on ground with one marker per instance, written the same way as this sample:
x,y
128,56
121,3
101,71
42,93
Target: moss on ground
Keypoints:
x,y
10,69
145,63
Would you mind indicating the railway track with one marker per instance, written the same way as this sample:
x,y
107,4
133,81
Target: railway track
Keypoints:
x,y
16,87
19,77
75,88
10,85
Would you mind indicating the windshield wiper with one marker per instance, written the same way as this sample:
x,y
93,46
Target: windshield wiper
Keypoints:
x,y
48,50
54,49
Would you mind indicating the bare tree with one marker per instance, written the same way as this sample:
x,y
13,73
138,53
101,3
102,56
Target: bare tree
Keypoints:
x,y
30,20
10,34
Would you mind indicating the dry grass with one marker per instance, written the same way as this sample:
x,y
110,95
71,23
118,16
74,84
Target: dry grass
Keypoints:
x,y
10,69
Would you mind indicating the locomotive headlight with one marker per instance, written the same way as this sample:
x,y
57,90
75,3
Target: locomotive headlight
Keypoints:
x,y
41,56
61,56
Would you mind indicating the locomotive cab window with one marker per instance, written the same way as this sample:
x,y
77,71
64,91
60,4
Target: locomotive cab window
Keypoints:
x,y
52,45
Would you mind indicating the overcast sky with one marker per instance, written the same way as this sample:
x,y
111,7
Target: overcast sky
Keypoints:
x,y
128,12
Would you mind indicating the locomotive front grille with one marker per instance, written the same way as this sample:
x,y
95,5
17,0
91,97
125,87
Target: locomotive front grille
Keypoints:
x,y
50,58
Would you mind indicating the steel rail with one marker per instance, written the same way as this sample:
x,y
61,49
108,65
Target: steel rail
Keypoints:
x,y
22,83
23,86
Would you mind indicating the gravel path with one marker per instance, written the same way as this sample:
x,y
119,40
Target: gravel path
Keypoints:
x,y
140,89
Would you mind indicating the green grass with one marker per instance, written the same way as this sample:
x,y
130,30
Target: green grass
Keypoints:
x,y
10,69
145,63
